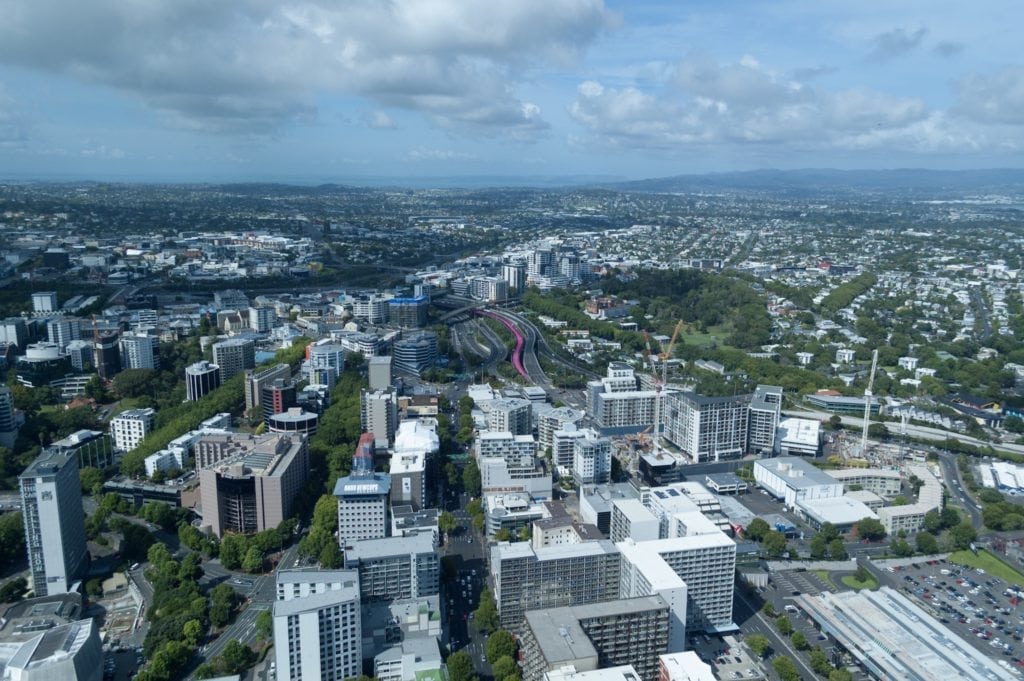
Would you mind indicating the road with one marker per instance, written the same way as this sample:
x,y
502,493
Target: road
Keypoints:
x,y
460,596
752,621
957,490
981,310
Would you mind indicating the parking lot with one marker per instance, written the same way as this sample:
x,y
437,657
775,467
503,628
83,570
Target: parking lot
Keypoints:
x,y
794,583
982,609
727,657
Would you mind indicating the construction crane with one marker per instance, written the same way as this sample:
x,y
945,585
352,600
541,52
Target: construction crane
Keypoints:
x,y
867,405
659,384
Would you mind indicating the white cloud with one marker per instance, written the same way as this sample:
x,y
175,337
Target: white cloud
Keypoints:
x,y
438,155
706,104
249,66
381,121
993,98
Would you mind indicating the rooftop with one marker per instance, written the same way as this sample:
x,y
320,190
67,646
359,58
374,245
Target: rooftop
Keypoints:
x,y
797,472
836,510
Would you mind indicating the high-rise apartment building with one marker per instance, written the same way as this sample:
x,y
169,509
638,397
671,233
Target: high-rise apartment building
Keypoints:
x,y
554,419
591,459
276,397
140,351
234,356
372,309
201,379
63,330
707,428
262,319
378,414
379,369
514,274
326,362
513,415
409,313
553,576
8,424
317,625
255,379
51,499
617,404
631,631
765,412
395,568
130,427
362,500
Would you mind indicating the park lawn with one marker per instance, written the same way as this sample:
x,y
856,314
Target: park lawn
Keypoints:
x,y
851,581
714,334
990,564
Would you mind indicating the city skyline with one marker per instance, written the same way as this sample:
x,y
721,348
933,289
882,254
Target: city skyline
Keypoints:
x,y
308,92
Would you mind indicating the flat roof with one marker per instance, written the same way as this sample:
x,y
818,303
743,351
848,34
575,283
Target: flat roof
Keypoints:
x,y
799,431
367,549
895,639
836,510
796,472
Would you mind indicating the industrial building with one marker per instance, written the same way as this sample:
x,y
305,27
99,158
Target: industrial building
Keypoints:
x,y
792,480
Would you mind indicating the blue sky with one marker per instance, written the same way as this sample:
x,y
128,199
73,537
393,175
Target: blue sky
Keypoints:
x,y
317,90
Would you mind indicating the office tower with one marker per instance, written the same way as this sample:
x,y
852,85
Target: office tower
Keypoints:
x,y
233,356
80,353
591,458
514,273
51,502
317,625
44,302
553,576
409,478
255,379
326,362
380,372
277,397
107,354
294,420
632,631
707,428
362,500
130,427
253,484
261,319
395,568
63,330
13,331
378,414
513,415
140,352
201,379
8,424
414,354
409,313
765,411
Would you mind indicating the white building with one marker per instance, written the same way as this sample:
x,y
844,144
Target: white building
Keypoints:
x,y
553,419
378,414
792,480
130,427
512,415
517,450
686,666
51,502
799,437
592,459
65,652
910,517
140,351
707,428
630,519
617,404
44,302
317,625
362,501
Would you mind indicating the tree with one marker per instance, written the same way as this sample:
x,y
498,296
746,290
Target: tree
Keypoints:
x,y
485,617
502,534
12,539
460,666
325,513
840,675
870,529
264,626
756,530
819,662
784,626
819,547
13,590
91,479
926,543
330,558
786,669
501,644
902,548
503,667
446,521
253,560
232,550
862,575
950,517
932,521
236,657
775,543
878,431
758,643
799,640
836,549
135,383
193,629
768,609
471,478
963,535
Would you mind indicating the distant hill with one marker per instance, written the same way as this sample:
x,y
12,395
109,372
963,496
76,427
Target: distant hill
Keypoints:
x,y
825,180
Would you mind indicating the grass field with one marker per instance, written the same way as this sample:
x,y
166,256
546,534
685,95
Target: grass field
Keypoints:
x,y
851,581
823,575
990,564
715,334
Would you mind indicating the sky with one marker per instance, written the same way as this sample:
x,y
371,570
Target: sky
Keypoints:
x,y
332,90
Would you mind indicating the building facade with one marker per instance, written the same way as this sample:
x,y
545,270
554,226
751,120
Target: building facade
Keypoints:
x,y
201,379
130,427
